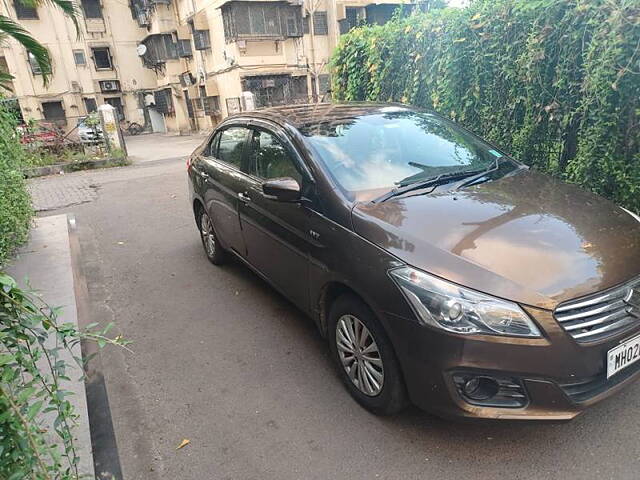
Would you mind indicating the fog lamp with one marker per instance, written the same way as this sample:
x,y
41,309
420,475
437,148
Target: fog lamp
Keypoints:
x,y
481,388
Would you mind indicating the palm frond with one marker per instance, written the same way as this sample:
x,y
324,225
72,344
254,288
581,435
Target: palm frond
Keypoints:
x,y
35,48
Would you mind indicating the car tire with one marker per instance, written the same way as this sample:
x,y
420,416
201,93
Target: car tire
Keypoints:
x,y
376,358
212,247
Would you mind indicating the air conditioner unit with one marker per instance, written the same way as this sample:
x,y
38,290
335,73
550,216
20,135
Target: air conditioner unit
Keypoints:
x,y
187,79
75,87
110,85
161,2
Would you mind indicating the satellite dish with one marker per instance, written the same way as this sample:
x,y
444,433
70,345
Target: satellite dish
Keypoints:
x,y
141,49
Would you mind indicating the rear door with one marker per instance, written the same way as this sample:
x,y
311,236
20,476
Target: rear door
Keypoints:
x,y
276,233
224,180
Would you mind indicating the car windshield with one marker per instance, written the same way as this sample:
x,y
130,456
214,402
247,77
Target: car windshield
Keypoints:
x,y
378,152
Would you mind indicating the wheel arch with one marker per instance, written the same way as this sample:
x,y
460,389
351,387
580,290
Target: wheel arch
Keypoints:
x,y
197,205
329,293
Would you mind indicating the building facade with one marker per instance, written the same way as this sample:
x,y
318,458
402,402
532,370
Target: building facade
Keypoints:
x,y
214,58
99,64
182,65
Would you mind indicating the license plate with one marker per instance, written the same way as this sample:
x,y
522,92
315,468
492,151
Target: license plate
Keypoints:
x,y
623,355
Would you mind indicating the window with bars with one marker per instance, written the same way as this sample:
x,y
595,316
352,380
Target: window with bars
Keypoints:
x,y
91,8
90,104
201,39
161,47
102,58
261,20
33,64
79,58
211,105
24,12
324,83
183,48
320,25
54,112
163,101
305,25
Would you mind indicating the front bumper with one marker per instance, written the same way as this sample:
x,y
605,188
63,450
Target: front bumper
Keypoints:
x,y
559,377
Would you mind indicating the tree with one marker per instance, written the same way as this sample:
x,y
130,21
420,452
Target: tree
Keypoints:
x,y
11,29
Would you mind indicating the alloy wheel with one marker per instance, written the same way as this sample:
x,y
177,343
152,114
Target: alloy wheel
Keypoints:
x,y
208,237
359,355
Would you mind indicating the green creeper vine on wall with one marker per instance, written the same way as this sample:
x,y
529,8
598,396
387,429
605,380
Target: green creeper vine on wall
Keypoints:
x,y
555,82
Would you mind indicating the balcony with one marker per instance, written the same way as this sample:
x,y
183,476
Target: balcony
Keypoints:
x,y
261,21
373,14
150,13
159,48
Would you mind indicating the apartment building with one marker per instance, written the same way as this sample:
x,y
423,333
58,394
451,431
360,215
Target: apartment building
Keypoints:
x,y
98,65
213,58
182,65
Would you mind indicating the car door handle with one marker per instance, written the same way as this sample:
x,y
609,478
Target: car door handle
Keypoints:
x,y
244,197
204,175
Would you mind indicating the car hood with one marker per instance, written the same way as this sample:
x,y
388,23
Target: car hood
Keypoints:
x,y
527,237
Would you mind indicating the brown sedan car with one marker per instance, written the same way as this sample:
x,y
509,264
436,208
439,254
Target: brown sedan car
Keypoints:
x,y
442,271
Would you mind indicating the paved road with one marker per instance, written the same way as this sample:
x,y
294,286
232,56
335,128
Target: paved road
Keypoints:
x,y
224,361
158,146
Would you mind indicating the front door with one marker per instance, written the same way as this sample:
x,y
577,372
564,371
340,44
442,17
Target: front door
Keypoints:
x,y
275,233
224,180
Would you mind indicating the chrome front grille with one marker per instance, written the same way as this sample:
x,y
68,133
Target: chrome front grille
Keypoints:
x,y
602,314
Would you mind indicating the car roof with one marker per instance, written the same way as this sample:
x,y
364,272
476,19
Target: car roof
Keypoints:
x,y
304,115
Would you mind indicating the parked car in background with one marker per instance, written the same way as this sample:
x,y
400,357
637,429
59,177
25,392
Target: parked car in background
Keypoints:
x,y
441,270
89,130
41,134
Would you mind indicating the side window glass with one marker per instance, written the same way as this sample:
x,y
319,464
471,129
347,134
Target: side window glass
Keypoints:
x,y
231,145
211,149
270,159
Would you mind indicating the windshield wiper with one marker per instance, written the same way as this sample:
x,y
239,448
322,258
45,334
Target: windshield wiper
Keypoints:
x,y
429,182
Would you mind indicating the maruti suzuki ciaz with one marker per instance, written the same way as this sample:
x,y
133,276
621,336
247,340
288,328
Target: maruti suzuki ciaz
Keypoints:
x,y
442,271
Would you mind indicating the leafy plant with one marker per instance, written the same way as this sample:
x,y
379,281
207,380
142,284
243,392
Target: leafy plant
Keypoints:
x,y
11,29
15,203
33,370
555,82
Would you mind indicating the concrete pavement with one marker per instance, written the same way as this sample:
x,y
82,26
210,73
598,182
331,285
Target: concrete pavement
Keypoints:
x,y
224,361
44,264
160,146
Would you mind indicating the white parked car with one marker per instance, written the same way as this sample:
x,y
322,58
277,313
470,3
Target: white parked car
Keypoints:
x,y
88,131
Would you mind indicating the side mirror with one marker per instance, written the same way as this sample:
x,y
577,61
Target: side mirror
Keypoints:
x,y
282,189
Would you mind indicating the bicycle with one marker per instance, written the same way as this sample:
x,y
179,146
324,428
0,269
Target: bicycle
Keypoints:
x,y
131,128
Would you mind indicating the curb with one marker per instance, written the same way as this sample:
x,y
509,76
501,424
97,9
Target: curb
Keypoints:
x,y
72,167
106,458
46,262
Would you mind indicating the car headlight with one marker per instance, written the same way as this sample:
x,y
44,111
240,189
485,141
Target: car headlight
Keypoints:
x,y
459,310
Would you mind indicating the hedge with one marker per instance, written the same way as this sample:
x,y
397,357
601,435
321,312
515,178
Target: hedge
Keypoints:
x,y
554,82
15,203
